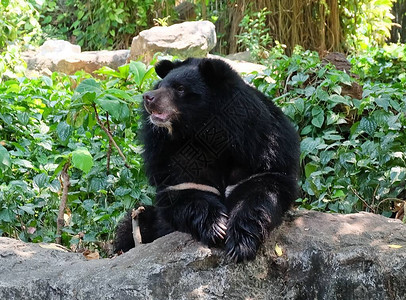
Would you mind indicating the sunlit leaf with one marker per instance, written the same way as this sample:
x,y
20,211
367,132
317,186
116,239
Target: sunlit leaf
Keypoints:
x,y
5,161
82,159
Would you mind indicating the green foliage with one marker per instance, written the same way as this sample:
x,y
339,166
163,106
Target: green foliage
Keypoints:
x,y
19,30
44,123
386,64
96,25
256,35
366,23
18,23
11,63
353,152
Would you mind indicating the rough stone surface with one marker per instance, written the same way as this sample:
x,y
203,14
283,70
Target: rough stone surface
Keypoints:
x,y
241,56
241,66
62,56
325,256
58,47
187,39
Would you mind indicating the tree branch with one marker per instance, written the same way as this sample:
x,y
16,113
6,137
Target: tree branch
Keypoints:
x,y
110,146
111,139
62,206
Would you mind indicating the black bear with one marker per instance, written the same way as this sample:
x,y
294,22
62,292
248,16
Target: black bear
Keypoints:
x,y
223,158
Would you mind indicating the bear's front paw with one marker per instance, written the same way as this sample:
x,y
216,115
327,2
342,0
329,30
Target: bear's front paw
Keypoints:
x,y
215,228
241,245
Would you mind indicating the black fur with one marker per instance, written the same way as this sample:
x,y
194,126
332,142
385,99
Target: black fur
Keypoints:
x,y
204,124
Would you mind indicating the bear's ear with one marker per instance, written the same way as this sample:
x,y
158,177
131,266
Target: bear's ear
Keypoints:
x,y
215,71
164,67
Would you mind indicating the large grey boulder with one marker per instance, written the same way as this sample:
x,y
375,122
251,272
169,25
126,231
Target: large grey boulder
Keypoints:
x,y
324,256
62,56
187,39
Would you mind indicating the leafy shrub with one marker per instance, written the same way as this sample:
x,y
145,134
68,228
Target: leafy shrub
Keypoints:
x,y
96,25
353,153
45,124
11,63
366,23
386,64
256,36
18,23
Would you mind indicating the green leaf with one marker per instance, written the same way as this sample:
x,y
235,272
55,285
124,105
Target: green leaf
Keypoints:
x,y
317,110
110,72
338,194
89,85
48,81
23,163
117,108
124,70
97,184
397,174
24,118
28,208
64,131
120,94
299,78
300,105
326,157
310,168
318,116
55,186
122,191
383,102
368,125
90,237
306,130
41,180
309,91
337,99
76,118
138,71
89,97
318,120
82,159
7,215
309,145
5,161
322,94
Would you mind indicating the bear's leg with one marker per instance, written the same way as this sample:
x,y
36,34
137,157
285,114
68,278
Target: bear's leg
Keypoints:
x,y
256,207
199,213
150,225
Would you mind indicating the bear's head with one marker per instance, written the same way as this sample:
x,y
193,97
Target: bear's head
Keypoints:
x,y
187,91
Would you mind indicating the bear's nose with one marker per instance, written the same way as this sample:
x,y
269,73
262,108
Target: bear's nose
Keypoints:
x,y
148,97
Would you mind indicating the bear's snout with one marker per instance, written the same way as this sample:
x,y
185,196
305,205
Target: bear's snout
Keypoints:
x,y
148,97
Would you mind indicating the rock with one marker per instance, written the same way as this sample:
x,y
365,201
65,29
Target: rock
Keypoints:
x,y
324,256
188,39
58,48
244,56
241,66
62,56
91,61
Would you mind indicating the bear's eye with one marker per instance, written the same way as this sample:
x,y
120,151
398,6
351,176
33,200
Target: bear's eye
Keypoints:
x,y
180,88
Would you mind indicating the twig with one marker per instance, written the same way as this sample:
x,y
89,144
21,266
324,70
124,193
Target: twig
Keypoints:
x,y
110,146
62,206
111,139
285,89
362,199
136,225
